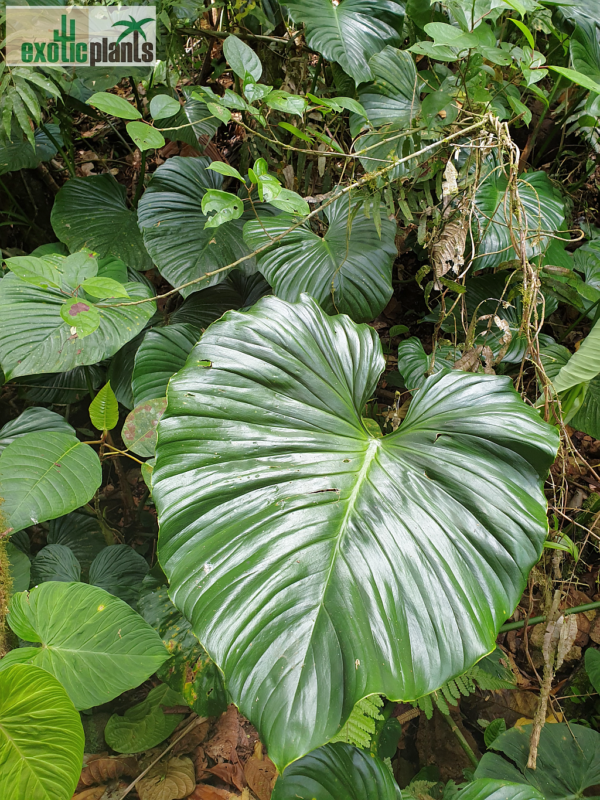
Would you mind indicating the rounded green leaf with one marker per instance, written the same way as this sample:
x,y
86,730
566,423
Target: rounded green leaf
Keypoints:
x,y
228,207
164,106
348,270
393,97
32,420
82,534
145,725
267,480
104,287
349,32
104,409
337,772
81,317
145,136
46,475
488,789
41,736
106,648
241,58
119,570
55,562
568,760
139,429
173,224
163,352
34,270
92,212
35,338
114,105
20,568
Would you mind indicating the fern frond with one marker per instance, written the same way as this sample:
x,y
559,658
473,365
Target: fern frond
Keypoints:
x,y
489,682
361,723
441,703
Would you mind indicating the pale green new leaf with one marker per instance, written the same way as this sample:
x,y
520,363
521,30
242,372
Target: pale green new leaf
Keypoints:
x,y
241,58
114,105
44,475
145,136
316,522
577,77
41,736
105,650
104,409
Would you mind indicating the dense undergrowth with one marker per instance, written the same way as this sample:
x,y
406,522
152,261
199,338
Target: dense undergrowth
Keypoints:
x,y
300,422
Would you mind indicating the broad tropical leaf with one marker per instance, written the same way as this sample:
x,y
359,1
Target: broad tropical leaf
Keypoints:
x,y
121,369
145,725
337,772
315,522
55,562
34,337
92,212
488,789
139,429
46,475
82,534
393,97
172,222
106,649
584,365
62,388
568,760
178,127
587,417
19,154
544,213
20,568
189,671
348,270
41,737
237,291
32,420
104,409
162,353
119,570
349,32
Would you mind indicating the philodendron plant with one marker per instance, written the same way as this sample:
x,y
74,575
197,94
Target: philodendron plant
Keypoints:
x,y
317,562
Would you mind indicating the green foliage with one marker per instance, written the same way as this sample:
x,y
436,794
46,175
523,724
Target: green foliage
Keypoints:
x,y
145,725
461,686
139,429
41,737
360,727
104,409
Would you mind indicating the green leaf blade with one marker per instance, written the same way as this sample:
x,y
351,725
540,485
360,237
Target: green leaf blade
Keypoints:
x,y
104,409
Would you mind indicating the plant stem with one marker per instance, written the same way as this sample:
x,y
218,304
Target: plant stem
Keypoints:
x,y
313,85
461,740
66,159
531,143
140,183
136,94
578,320
513,626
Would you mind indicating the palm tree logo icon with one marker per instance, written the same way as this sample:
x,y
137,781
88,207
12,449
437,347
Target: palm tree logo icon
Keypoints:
x,y
134,26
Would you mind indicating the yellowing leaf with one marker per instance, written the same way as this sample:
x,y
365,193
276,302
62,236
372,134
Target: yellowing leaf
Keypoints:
x,y
168,780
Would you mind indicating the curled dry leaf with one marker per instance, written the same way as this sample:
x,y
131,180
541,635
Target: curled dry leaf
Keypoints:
x,y
261,774
95,793
223,745
168,780
200,764
230,773
205,792
191,740
102,769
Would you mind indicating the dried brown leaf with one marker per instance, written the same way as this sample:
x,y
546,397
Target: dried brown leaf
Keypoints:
x,y
223,745
191,740
200,764
168,780
100,770
205,792
230,773
95,793
261,774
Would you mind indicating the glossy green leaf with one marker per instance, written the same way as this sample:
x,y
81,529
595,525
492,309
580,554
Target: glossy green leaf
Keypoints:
x,y
189,671
222,114
173,224
592,667
17,153
163,105
290,202
393,97
44,475
104,409
92,212
55,562
145,725
349,269
35,338
415,365
121,369
20,568
337,772
568,760
584,365
225,169
163,352
241,58
139,429
41,737
488,789
81,317
82,534
228,207
35,271
577,77
237,291
104,287
119,570
78,268
192,122
286,102
114,105
145,136
30,421
585,50
62,388
278,415
349,32
587,417
105,650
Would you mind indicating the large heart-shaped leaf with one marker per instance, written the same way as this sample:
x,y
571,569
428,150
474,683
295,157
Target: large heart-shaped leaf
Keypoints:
x,y
119,570
319,564
172,222
19,154
348,270
46,475
568,760
349,32
337,772
543,212
41,737
32,420
106,649
145,725
34,337
92,212
488,789
62,388
237,291
178,127
587,417
82,534
162,353
393,97
55,562
20,568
